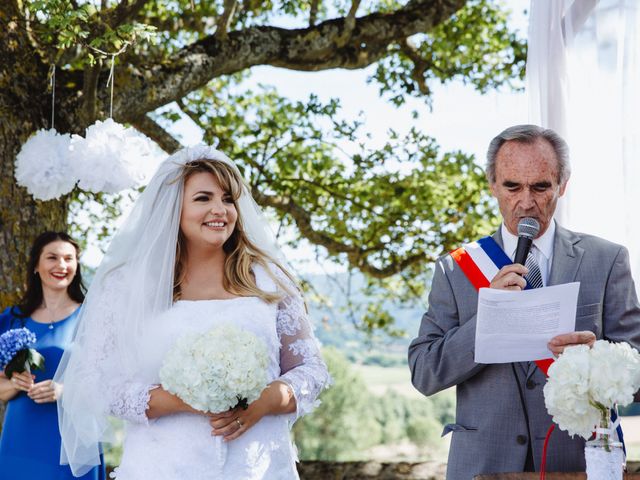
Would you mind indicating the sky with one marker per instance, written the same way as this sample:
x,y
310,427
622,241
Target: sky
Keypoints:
x,y
460,117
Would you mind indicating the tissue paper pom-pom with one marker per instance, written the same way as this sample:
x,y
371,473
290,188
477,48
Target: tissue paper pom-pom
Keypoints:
x,y
42,166
111,157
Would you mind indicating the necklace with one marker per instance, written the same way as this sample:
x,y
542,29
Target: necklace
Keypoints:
x,y
52,314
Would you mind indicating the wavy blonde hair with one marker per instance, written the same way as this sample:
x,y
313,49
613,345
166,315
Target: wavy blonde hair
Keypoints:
x,y
241,253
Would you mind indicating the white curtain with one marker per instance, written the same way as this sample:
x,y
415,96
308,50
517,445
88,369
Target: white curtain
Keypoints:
x,y
583,80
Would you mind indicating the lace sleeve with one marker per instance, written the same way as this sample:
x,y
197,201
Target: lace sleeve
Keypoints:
x,y
301,364
125,399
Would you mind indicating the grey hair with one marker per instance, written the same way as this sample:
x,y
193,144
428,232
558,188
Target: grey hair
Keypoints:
x,y
529,134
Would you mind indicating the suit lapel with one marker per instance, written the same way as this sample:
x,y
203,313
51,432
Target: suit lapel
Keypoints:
x,y
497,236
566,257
564,267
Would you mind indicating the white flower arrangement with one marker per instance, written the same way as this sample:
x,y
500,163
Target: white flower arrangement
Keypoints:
x,y
585,383
218,370
110,158
42,165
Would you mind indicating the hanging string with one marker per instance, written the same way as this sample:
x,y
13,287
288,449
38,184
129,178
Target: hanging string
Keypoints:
x,y
110,82
52,74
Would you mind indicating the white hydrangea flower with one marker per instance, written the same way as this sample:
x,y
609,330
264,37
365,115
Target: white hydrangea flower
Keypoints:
x,y
583,379
566,393
615,369
111,157
212,371
43,167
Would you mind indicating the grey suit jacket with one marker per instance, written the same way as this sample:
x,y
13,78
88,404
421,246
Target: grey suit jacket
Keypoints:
x,y
500,407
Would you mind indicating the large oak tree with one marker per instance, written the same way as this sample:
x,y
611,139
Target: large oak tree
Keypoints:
x,y
359,209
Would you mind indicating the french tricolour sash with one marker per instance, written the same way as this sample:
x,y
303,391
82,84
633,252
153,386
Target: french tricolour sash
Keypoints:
x,y
480,262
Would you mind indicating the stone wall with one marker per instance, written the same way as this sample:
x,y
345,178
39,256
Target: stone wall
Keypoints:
x,y
384,471
371,470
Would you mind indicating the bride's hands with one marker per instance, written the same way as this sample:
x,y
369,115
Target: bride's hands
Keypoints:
x,y
276,398
233,423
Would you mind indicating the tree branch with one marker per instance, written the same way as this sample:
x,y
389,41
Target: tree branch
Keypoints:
x,y
156,133
349,24
303,221
15,24
313,12
90,93
309,49
124,12
358,257
223,23
194,118
420,65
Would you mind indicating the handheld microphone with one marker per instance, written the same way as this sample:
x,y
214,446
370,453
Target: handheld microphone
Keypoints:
x,y
528,229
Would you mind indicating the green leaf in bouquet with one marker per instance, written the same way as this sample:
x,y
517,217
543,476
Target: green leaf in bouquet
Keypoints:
x,y
36,360
242,402
18,364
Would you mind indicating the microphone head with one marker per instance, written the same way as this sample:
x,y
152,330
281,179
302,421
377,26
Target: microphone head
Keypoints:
x,y
528,227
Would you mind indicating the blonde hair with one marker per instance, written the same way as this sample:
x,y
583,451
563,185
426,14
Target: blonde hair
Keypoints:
x,y
241,253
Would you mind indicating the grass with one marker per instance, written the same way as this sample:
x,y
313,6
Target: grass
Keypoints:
x,y
380,379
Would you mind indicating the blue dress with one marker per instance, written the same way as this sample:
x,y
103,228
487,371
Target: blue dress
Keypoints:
x,y
30,442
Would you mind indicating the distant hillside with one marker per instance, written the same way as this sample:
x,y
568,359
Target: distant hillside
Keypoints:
x,y
336,304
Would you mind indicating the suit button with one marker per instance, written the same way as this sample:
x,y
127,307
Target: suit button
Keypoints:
x,y
531,384
521,439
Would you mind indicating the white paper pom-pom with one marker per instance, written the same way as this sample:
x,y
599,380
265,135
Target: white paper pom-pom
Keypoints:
x,y
42,166
111,157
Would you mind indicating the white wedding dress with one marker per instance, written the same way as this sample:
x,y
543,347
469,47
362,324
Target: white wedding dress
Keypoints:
x,y
180,446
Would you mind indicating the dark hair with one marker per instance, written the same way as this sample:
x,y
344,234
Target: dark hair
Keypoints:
x,y
32,298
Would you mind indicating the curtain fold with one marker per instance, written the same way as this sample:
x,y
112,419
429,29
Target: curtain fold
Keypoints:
x,y
583,80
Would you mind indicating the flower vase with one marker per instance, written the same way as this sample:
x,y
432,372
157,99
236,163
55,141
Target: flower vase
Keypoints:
x,y
603,454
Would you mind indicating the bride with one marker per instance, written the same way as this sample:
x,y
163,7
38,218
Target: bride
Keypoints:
x,y
195,253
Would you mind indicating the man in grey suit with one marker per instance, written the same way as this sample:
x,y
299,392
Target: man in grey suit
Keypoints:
x,y
501,419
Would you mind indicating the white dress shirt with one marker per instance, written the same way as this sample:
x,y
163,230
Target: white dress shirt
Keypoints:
x,y
542,248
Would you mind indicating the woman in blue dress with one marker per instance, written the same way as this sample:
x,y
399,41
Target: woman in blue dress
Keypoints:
x,y
30,441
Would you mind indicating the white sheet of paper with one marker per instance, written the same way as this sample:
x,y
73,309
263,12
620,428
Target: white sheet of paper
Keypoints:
x,y
516,326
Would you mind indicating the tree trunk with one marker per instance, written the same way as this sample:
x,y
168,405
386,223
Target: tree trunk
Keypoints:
x,y
21,217
25,106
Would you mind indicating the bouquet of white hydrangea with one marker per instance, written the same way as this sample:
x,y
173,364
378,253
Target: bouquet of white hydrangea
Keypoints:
x,y
218,370
585,383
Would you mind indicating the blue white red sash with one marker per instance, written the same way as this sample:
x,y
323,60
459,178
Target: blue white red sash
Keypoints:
x,y
480,262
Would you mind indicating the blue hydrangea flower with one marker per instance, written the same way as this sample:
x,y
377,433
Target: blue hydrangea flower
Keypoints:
x,y
12,341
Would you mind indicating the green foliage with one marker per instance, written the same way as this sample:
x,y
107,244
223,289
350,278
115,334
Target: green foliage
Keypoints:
x,y
388,211
59,26
341,426
474,46
350,419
